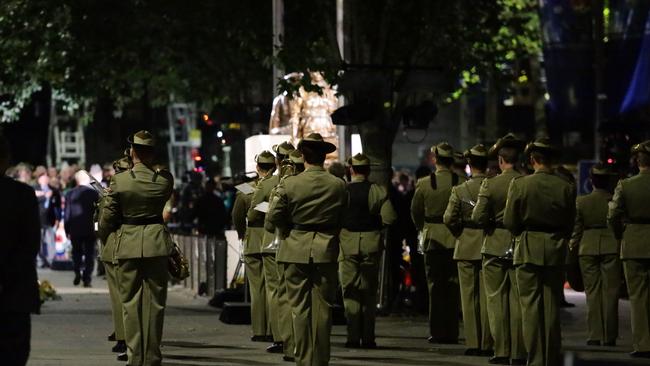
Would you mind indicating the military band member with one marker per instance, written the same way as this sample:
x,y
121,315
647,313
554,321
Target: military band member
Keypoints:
x,y
540,211
270,268
296,166
367,210
629,217
458,218
437,243
133,207
310,205
108,258
253,249
502,294
598,252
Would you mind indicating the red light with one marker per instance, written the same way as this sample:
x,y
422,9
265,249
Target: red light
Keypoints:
x,y
198,158
610,161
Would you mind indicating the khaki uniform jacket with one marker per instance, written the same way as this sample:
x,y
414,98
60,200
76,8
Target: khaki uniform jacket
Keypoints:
x,y
107,249
263,194
540,212
313,197
367,242
429,205
590,232
138,193
629,215
458,218
239,210
488,213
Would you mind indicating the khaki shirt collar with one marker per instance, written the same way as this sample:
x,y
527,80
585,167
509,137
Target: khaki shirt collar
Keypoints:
x,y
358,179
644,171
442,169
478,175
544,171
316,168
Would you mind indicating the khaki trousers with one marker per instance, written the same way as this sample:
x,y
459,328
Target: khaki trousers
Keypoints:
x,y
473,304
257,288
271,284
539,289
312,291
504,311
359,275
143,291
116,303
602,278
637,274
284,308
442,281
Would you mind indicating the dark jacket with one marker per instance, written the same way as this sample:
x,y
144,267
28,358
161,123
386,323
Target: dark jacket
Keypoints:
x,y
211,213
79,211
21,237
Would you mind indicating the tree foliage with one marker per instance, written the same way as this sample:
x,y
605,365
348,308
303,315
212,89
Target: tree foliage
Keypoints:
x,y
135,49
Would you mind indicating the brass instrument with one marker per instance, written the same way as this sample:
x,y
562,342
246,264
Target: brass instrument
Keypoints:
x,y
287,168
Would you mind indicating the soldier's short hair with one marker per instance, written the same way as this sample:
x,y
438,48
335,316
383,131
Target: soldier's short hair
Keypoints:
x,y
266,166
444,161
643,159
313,156
478,162
542,158
144,153
509,154
363,170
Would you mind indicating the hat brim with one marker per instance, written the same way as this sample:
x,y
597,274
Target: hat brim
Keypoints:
x,y
515,144
553,151
132,142
322,146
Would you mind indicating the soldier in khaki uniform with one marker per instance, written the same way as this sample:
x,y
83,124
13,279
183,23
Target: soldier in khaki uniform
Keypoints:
x,y
367,210
629,217
133,209
598,252
458,218
253,249
108,258
270,268
310,205
294,165
437,243
539,212
502,294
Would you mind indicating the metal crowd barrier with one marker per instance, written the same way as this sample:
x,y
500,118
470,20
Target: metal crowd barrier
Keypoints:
x,y
207,257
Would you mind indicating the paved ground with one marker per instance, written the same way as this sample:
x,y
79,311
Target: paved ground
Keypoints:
x,y
73,332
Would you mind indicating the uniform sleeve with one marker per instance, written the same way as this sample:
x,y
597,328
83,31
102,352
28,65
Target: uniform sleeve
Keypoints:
x,y
417,208
239,214
452,217
482,213
512,212
258,197
616,211
110,216
578,227
570,225
376,198
267,224
278,215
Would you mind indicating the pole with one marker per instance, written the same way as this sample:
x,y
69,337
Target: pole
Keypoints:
x,y
278,34
340,39
599,65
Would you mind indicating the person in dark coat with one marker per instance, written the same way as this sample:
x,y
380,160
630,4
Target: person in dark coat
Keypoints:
x,y
210,211
21,228
79,226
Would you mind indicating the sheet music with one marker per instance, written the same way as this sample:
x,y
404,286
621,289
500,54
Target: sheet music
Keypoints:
x,y
262,207
245,188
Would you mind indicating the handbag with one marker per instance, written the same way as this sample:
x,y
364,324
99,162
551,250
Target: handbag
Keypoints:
x,y
179,267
